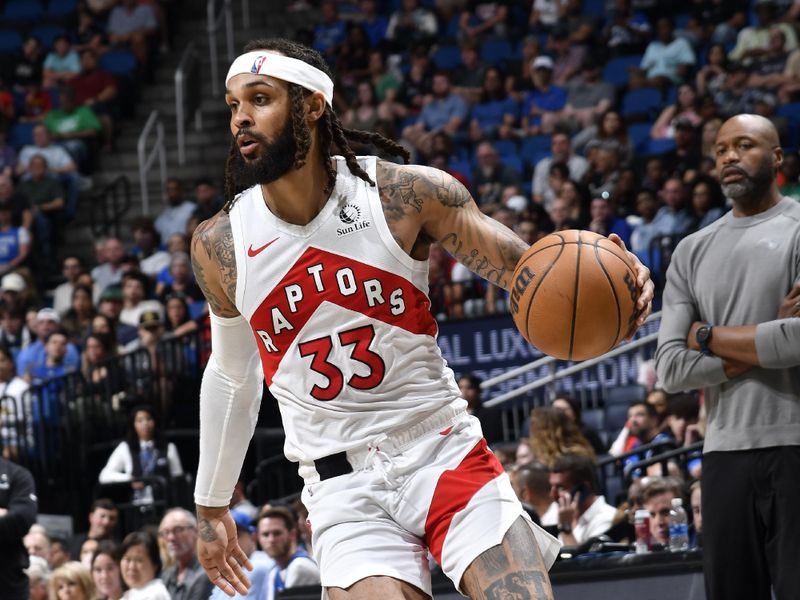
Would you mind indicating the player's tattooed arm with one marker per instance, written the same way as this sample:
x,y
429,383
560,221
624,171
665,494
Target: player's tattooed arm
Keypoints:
x,y
513,569
422,203
214,264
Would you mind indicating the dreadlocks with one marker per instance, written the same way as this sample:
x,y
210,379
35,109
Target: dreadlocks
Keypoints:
x,y
331,133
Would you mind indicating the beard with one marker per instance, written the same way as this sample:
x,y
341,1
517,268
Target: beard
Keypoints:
x,y
751,188
277,158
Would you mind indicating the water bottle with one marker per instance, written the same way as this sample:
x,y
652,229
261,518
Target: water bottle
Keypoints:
x,y
678,527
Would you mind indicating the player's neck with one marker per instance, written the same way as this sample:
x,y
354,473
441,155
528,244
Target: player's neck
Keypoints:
x,y
298,196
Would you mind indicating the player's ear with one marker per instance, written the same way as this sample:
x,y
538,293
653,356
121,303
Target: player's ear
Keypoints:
x,y
315,107
777,158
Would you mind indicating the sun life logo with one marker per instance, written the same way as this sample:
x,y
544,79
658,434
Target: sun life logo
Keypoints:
x,y
349,214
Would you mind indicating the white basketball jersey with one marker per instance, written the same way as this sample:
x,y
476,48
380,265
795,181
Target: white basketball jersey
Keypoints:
x,y
341,317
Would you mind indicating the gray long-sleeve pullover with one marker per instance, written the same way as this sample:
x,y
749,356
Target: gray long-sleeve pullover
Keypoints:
x,y
736,272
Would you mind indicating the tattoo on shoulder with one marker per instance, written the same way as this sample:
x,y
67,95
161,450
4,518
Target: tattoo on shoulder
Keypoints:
x,y
410,186
216,239
206,531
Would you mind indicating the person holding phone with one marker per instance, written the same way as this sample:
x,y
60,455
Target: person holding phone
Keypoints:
x,y
582,513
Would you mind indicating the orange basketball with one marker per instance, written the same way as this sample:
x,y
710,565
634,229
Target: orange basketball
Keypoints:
x,y
573,295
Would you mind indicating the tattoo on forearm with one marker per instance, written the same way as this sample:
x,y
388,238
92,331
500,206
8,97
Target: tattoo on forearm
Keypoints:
x,y
206,531
516,586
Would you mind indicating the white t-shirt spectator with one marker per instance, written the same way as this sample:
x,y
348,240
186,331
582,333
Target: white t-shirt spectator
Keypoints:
x,y
548,11
153,590
663,60
173,219
57,158
119,467
122,22
302,570
595,521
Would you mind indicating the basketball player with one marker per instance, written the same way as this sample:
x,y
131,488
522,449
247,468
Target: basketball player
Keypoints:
x,y
730,326
316,277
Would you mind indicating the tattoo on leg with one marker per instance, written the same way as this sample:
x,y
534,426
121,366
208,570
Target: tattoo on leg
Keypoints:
x,y
206,531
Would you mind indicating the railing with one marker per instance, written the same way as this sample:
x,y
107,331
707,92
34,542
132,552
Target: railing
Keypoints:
x,y
109,206
214,23
188,95
157,151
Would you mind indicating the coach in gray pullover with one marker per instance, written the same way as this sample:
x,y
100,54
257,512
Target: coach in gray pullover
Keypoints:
x,y
730,327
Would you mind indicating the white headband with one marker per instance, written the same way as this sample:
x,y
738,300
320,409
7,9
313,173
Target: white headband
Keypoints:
x,y
285,68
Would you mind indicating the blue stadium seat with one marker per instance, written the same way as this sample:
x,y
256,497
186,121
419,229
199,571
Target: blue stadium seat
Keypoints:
x,y
496,52
447,57
616,70
407,122
593,417
61,8
121,63
462,166
656,147
594,8
22,11
21,134
615,417
506,148
46,34
10,42
513,161
671,97
682,20
639,133
791,111
534,146
644,102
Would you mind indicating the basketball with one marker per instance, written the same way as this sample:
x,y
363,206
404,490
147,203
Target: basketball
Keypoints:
x,y
573,295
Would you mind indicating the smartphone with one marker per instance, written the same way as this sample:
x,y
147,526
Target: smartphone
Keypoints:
x,y
580,491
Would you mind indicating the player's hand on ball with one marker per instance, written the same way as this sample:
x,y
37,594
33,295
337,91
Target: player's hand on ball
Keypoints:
x,y
218,550
644,305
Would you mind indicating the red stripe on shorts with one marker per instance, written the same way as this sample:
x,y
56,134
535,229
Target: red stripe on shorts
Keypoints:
x,y
455,489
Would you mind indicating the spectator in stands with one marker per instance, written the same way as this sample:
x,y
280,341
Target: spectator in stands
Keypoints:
x,y
695,501
685,108
567,57
610,129
545,14
110,308
708,202
178,320
14,241
89,35
148,248
552,435
572,410
34,356
62,296
491,175
53,368
469,75
180,270
277,532
734,95
373,23
36,542
673,218
411,23
604,170
657,496
753,42
532,485
77,321
59,161
524,453
59,552
87,551
47,200
62,63
17,514
143,453
175,216
588,98
791,176
483,19
582,513
102,376
135,294
544,98
97,89
109,272
27,68
643,426
561,151
207,198
75,127
667,59
72,580
133,25
105,572
13,333
185,579
659,400
710,76
140,564
364,114
103,519
446,112
496,113
38,573
14,437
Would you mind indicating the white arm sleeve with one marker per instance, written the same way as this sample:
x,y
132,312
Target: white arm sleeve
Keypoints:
x,y
230,397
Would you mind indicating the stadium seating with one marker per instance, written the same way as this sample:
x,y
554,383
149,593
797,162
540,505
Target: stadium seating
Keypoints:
x,y
496,52
46,34
447,57
21,11
641,104
10,42
616,70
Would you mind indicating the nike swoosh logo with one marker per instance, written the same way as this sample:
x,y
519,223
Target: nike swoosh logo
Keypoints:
x,y
255,252
446,431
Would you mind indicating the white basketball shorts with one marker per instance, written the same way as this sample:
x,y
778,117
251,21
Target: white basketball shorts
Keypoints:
x,y
440,489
